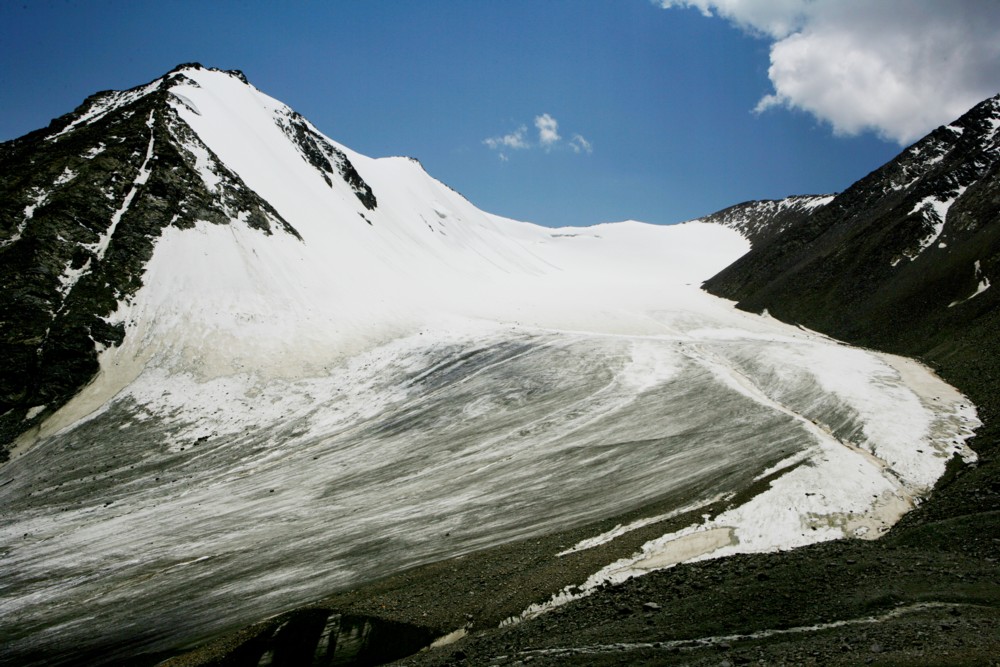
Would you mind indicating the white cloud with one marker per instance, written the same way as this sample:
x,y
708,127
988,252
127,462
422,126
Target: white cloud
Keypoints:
x,y
548,127
896,67
548,139
515,139
580,145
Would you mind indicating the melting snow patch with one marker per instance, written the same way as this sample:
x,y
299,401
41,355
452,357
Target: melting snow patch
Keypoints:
x,y
935,211
34,412
17,233
820,501
65,177
984,284
71,276
620,530
449,638
817,202
29,212
40,197
203,163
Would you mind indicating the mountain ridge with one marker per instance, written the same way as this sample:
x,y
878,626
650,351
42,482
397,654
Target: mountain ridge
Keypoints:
x,y
762,219
60,293
926,208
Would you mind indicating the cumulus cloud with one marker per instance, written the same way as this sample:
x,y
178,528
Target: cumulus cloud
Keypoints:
x,y
548,130
515,139
580,145
548,139
895,67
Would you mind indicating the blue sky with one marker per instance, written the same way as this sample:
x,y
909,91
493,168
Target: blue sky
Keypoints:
x,y
654,106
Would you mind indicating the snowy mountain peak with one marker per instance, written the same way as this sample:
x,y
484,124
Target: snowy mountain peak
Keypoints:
x,y
199,184
180,69
190,84
921,184
927,181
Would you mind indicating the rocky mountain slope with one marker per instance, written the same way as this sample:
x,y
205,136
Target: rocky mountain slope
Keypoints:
x,y
83,202
903,259
762,220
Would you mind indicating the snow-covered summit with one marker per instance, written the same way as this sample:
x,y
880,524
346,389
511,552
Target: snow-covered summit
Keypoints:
x,y
200,184
378,242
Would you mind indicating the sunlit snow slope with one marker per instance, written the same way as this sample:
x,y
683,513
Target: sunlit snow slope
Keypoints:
x,y
399,378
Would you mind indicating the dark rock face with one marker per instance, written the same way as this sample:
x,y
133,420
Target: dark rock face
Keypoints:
x,y
761,221
317,636
326,158
81,206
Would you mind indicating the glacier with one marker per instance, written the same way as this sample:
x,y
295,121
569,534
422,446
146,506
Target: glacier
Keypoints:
x,y
293,414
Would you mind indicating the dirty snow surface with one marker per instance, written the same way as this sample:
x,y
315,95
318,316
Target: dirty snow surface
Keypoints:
x,y
287,417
